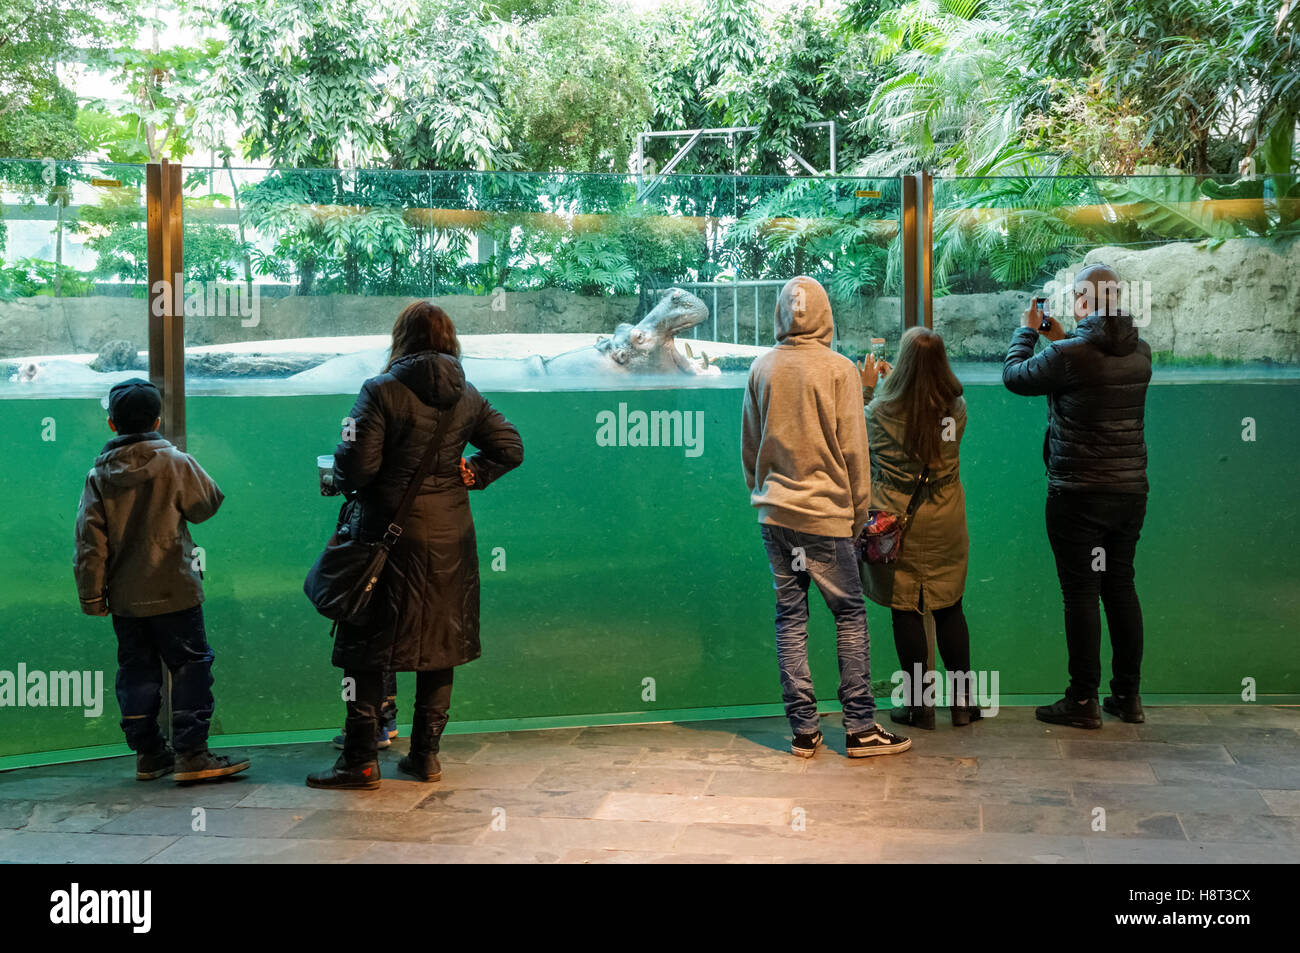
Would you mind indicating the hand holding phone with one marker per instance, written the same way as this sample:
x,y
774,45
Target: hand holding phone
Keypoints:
x,y
1045,322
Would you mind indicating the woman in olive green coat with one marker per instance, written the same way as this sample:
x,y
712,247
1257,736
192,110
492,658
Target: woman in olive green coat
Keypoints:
x,y
930,572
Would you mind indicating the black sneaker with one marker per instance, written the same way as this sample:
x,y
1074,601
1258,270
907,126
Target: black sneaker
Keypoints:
x,y
1072,713
151,765
1126,707
364,777
875,740
805,746
205,766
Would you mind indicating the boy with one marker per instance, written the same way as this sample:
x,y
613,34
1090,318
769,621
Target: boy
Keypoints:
x,y
804,451
134,560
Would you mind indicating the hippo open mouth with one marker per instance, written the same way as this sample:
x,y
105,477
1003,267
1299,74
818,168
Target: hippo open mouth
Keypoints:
x,y
646,347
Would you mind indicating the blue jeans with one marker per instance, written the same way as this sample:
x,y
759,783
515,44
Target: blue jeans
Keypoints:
x,y
796,560
144,645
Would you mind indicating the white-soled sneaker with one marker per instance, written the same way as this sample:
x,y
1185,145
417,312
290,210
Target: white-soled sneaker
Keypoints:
x,y
874,741
805,746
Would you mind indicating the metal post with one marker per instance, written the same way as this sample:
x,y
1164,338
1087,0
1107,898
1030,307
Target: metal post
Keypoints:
x,y
925,196
755,315
735,315
166,323
911,249
918,248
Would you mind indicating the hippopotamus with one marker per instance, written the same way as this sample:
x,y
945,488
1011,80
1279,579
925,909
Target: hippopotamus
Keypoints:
x,y
647,347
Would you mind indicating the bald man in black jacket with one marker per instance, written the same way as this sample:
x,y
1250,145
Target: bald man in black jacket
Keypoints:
x,y
1095,379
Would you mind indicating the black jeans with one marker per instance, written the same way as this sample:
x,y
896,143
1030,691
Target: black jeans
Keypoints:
x,y
951,637
1094,537
144,645
429,717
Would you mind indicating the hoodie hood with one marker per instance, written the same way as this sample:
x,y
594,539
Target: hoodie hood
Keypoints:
x,y
1114,333
437,379
803,313
132,459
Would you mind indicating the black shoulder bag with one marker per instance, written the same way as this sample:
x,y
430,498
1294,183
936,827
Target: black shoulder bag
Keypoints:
x,y
881,539
343,580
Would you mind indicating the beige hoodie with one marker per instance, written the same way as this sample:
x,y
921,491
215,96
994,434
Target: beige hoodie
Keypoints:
x,y
804,444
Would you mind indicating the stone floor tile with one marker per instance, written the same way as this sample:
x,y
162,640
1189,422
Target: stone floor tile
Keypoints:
x,y
696,808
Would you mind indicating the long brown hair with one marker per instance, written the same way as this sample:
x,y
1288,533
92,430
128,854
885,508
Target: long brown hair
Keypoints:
x,y
422,326
923,390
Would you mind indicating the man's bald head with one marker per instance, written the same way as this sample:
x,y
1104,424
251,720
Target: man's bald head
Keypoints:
x,y
1096,289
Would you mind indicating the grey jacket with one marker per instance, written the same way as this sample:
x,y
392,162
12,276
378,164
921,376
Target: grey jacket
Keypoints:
x,y
134,554
804,439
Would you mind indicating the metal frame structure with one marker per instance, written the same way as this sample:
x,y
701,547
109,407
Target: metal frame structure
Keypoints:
x,y
695,135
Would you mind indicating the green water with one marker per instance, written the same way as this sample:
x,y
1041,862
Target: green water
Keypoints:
x,y
625,563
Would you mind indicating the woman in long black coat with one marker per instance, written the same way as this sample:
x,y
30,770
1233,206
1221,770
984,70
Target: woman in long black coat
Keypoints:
x,y
426,613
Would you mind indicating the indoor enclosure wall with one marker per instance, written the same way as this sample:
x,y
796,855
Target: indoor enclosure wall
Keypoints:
x,y
624,582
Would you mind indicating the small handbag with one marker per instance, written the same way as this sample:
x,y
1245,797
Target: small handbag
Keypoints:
x,y
881,540
343,580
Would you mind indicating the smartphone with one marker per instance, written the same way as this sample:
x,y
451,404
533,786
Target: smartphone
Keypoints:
x,y
1046,323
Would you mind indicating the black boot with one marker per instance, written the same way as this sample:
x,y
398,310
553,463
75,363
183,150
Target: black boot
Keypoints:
x,y
962,712
422,767
358,766
362,777
426,736
915,716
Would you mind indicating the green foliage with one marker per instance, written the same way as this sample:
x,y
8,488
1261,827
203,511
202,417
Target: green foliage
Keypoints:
x,y
580,88
28,277
37,112
821,229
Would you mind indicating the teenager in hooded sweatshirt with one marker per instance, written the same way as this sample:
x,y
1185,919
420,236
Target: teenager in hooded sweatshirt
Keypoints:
x,y
804,450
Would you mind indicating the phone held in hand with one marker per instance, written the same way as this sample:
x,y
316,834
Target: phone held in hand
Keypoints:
x,y
1046,323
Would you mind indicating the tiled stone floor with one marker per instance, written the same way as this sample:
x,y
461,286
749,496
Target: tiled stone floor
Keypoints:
x,y
1192,785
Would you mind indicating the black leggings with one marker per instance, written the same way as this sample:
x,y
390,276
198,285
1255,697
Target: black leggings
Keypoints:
x,y
429,716
951,636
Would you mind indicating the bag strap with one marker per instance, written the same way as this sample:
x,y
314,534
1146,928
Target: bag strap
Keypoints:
x,y
422,471
915,501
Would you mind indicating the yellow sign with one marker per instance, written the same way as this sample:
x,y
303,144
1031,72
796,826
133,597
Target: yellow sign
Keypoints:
x,y
867,194
106,183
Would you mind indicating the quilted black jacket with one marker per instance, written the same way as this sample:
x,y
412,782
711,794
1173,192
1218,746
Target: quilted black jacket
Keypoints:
x,y
1096,382
430,587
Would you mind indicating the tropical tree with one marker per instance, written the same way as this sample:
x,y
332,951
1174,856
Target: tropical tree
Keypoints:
x,y
579,88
